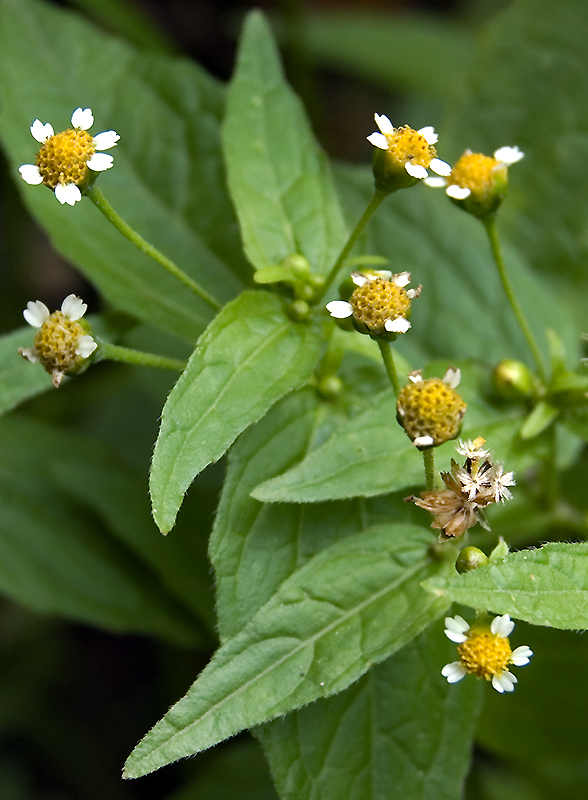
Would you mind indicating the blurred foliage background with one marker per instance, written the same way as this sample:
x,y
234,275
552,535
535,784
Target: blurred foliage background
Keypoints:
x,y
74,699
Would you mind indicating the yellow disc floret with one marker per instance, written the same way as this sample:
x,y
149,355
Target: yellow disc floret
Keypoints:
x,y
484,654
430,408
378,301
476,172
62,159
56,343
406,144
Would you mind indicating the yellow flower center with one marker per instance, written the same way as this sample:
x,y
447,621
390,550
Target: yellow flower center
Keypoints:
x,y
377,301
474,171
484,654
406,144
431,408
63,157
56,342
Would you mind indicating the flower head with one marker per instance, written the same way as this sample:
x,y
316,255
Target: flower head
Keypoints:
x,y
431,411
62,344
403,155
484,651
380,304
66,160
468,491
478,183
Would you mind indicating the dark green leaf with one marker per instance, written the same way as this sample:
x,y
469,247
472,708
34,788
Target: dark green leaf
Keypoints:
x,y
167,180
350,606
64,551
279,179
401,731
250,356
19,379
547,586
397,51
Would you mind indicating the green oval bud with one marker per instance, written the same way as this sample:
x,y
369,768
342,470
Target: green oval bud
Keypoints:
x,y
470,558
513,380
299,311
329,388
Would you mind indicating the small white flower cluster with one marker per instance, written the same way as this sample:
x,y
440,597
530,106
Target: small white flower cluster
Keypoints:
x,y
505,156
487,654
383,138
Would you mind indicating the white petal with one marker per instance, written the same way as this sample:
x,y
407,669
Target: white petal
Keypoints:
x,y
521,656
378,140
67,193
386,274
398,325
436,183
415,376
73,307
30,174
504,682
415,171
508,155
401,279
412,293
440,167
359,279
383,123
106,140
452,377
454,672
86,346
100,161
35,313
428,132
339,309
457,192
41,132
82,118
424,441
29,353
456,628
502,626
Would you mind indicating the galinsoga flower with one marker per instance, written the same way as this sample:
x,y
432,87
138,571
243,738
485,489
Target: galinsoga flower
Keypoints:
x,y
469,490
403,156
431,411
64,159
485,651
62,344
478,183
379,306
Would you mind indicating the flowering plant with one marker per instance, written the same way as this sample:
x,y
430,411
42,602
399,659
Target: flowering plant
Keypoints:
x,y
394,461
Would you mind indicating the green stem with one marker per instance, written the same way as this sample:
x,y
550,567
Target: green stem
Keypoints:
x,y
112,352
491,230
102,204
551,477
429,464
372,207
388,359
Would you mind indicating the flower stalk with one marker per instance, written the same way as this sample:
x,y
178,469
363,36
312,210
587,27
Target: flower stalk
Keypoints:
x,y
388,359
125,355
491,230
102,204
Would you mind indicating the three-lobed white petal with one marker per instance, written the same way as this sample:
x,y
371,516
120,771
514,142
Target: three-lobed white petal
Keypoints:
x,y
82,118
502,626
402,279
86,346
384,123
508,155
73,307
106,140
340,309
415,170
68,193
36,313
456,628
505,682
428,133
423,441
452,377
378,140
397,325
454,672
30,174
440,167
457,192
41,132
99,162
520,657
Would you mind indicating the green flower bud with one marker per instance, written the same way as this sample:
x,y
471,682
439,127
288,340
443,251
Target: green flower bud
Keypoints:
x,y
470,558
513,380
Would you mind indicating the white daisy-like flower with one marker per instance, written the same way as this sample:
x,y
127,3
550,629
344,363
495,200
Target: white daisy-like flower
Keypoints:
x,y
380,303
61,344
63,161
410,149
499,481
485,652
474,173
